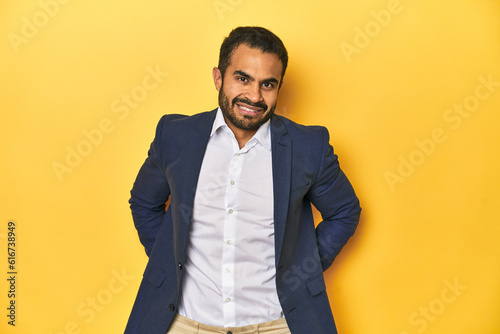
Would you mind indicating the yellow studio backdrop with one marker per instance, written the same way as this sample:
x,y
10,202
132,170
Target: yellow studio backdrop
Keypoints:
x,y
409,89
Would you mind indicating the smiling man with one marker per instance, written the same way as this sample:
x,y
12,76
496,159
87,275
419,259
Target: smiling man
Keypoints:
x,y
237,250
249,94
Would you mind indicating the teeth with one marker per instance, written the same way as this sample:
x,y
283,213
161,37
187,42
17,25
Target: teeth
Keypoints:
x,y
247,109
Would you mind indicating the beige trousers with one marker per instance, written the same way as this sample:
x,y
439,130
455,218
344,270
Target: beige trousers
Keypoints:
x,y
183,325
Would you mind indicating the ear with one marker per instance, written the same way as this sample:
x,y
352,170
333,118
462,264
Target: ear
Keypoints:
x,y
217,78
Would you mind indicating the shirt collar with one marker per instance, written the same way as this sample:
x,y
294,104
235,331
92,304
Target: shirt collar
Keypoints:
x,y
219,122
263,134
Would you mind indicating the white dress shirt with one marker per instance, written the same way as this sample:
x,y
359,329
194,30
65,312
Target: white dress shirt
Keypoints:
x,y
229,278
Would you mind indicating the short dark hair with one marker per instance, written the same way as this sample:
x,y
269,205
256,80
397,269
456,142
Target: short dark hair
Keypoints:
x,y
255,37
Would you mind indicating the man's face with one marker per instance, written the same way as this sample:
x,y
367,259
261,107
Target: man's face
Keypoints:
x,y
249,90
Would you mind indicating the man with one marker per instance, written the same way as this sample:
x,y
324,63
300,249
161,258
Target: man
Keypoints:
x,y
237,250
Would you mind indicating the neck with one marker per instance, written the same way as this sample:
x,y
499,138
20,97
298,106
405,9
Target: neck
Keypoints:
x,y
242,136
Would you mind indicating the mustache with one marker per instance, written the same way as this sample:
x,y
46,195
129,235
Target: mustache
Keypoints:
x,y
261,105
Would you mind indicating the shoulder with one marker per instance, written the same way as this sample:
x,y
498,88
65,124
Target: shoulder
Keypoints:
x,y
187,120
179,124
300,134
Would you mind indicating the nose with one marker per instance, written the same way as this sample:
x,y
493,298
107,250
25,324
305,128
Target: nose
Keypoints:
x,y
254,93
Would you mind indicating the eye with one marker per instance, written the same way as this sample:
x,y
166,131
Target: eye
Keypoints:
x,y
268,85
242,79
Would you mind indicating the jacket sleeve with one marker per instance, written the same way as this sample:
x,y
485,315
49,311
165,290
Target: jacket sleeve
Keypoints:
x,y
150,192
334,197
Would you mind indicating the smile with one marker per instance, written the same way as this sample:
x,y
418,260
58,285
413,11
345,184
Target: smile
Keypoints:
x,y
247,110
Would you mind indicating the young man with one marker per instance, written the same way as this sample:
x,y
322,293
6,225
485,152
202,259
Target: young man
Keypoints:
x,y
237,250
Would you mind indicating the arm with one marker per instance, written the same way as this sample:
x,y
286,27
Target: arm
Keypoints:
x,y
149,193
334,197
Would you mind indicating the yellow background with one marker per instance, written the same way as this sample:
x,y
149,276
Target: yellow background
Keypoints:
x,y
425,228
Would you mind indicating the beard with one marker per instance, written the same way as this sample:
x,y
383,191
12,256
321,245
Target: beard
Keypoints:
x,y
246,122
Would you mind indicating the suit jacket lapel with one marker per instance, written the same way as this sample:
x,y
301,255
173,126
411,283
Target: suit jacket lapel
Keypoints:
x,y
282,171
193,153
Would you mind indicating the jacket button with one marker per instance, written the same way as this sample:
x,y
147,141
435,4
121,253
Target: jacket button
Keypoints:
x,y
171,307
180,266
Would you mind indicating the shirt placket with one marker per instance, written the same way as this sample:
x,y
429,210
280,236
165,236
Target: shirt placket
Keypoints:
x,y
229,238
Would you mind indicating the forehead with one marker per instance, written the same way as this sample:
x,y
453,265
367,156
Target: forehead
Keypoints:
x,y
255,62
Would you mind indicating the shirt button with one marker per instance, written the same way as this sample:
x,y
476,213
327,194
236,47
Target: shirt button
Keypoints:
x,y
230,211
228,270
229,242
232,183
228,300
237,154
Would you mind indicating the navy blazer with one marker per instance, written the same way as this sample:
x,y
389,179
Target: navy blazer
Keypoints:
x,y
305,171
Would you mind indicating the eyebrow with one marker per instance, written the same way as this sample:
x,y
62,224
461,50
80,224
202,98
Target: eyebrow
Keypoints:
x,y
249,77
